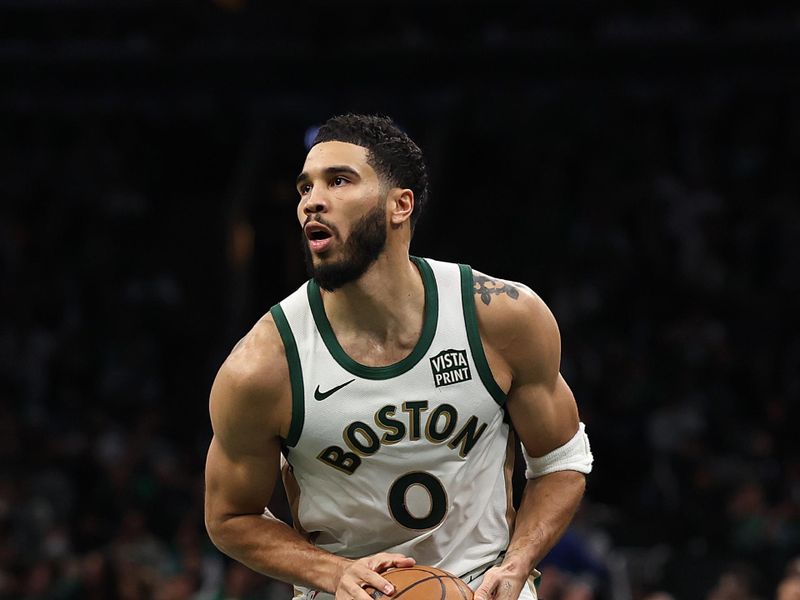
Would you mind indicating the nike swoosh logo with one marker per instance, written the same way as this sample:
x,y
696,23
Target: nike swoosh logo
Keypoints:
x,y
322,395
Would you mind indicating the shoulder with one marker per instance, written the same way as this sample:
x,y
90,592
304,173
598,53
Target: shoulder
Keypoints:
x,y
252,389
254,360
517,325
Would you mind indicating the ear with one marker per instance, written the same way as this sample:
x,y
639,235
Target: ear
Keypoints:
x,y
401,206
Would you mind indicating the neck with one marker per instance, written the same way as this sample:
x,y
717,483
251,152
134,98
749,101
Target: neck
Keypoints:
x,y
386,303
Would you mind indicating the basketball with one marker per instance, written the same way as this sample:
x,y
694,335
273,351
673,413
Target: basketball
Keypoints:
x,y
423,583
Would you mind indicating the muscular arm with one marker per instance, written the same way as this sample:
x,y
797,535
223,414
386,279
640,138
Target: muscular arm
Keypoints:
x,y
548,503
250,412
247,408
524,347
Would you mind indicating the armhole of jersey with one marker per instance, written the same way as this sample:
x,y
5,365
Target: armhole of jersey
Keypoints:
x,y
295,374
474,336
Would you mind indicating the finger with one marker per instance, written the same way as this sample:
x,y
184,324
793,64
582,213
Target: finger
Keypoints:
x,y
352,591
356,593
406,561
486,590
352,588
374,580
384,560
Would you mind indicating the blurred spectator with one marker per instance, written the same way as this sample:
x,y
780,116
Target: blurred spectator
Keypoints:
x,y
734,584
789,588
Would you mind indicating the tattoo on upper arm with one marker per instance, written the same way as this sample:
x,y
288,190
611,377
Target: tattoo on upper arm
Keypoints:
x,y
486,287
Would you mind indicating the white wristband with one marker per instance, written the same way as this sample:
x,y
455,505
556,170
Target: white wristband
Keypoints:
x,y
575,455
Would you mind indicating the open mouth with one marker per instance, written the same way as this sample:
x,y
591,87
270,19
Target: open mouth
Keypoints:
x,y
318,235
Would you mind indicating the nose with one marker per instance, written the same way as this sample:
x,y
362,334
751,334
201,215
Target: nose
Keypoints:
x,y
315,202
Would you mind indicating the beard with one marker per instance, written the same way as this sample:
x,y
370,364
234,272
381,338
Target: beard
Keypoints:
x,y
362,248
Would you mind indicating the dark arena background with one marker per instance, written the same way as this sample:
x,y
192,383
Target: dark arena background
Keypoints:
x,y
637,167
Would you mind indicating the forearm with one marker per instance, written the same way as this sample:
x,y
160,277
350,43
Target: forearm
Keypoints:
x,y
547,507
273,548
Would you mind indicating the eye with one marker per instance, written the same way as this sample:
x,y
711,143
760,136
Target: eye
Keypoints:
x,y
304,189
338,181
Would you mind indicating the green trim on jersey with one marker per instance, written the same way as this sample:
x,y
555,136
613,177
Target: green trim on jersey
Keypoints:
x,y
295,374
474,335
430,320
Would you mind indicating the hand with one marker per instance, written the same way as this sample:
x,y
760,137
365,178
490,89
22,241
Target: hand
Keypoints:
x,y
364,572
500,583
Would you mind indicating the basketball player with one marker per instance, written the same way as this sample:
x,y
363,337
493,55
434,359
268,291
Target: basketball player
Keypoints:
x,y
391,389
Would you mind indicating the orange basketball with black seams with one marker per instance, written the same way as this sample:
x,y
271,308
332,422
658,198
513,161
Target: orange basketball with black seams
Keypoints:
x,y
421,582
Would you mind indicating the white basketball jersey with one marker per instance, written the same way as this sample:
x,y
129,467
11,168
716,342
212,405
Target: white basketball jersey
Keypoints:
x,y
414,457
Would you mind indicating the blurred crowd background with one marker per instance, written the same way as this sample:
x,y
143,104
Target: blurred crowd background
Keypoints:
x,y
638,169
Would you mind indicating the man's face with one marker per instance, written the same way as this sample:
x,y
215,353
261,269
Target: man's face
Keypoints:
x,y
342,210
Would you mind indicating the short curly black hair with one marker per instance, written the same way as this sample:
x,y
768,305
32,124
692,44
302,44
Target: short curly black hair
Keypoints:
x,y
390,151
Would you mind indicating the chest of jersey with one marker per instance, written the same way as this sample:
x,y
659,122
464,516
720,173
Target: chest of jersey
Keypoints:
x,y
380,456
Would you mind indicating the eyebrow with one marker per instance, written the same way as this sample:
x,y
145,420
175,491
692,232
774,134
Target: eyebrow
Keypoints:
x,y
332,170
